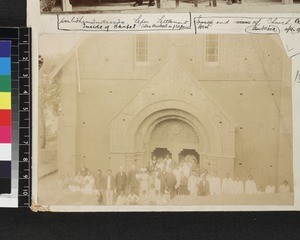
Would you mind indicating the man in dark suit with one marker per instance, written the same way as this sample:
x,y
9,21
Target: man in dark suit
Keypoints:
x,y
99,186
170,183
109,187
120,181
203,187
162,176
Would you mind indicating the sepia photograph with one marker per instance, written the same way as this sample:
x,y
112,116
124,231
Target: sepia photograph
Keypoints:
x,y
164,120
123,6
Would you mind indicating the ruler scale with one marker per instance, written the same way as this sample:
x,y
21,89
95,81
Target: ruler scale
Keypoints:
x,y
24,118
20,39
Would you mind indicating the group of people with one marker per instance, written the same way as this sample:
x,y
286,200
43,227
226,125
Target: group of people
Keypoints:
x,y
160,181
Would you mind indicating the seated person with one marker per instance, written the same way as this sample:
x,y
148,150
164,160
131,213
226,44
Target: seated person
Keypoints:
x,y
270,188
132,198
121,200
144,200
285,187
250,186
161,199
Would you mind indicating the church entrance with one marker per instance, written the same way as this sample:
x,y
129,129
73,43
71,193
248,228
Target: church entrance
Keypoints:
x,y
173,137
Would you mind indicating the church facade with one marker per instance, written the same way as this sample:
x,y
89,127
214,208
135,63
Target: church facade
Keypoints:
x,y
226,99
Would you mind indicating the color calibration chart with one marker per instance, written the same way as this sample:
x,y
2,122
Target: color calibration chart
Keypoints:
x,y
15,117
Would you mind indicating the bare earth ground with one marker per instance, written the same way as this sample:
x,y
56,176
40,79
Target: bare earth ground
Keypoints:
x,y
50,194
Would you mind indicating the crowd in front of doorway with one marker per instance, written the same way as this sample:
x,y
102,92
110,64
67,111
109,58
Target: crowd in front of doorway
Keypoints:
x,y
160,181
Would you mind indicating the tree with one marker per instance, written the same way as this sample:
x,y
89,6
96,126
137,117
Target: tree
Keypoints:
x,y
49,97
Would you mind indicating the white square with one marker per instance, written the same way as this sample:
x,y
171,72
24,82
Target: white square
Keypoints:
x,y
5,152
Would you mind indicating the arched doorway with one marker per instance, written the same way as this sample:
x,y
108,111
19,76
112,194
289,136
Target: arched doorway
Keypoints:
x,y
169,137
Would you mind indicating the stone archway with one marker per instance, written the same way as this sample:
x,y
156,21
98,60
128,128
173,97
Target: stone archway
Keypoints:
x,y
172,134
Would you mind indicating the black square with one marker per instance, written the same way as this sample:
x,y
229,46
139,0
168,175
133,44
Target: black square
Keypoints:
x,y
5,185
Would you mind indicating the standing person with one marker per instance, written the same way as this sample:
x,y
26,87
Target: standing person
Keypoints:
x,y
227,184
195,166
170,183
143,178
157,180
183,184
108,187
215,184
154,160
250,186
167,160
270,188
193,182
162,176
120,180
132,182
205,174
99,186
238,186
150,167
83,170
203,187
285,187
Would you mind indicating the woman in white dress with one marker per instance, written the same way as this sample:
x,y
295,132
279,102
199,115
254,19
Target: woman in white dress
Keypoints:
x,y
238,186
143,179
193,183
215,184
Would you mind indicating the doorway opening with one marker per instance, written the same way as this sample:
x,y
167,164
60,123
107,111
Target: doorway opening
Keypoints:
x,y
161,153
189,155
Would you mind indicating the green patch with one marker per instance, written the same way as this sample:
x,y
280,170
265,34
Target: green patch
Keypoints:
x,y
5,83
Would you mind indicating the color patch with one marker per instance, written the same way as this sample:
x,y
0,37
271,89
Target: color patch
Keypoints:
x,y
5,169
5,49
5,117
5,100
5,134
4,66
5,83
5,151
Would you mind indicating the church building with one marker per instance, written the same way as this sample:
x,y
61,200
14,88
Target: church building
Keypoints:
x,y
226,99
